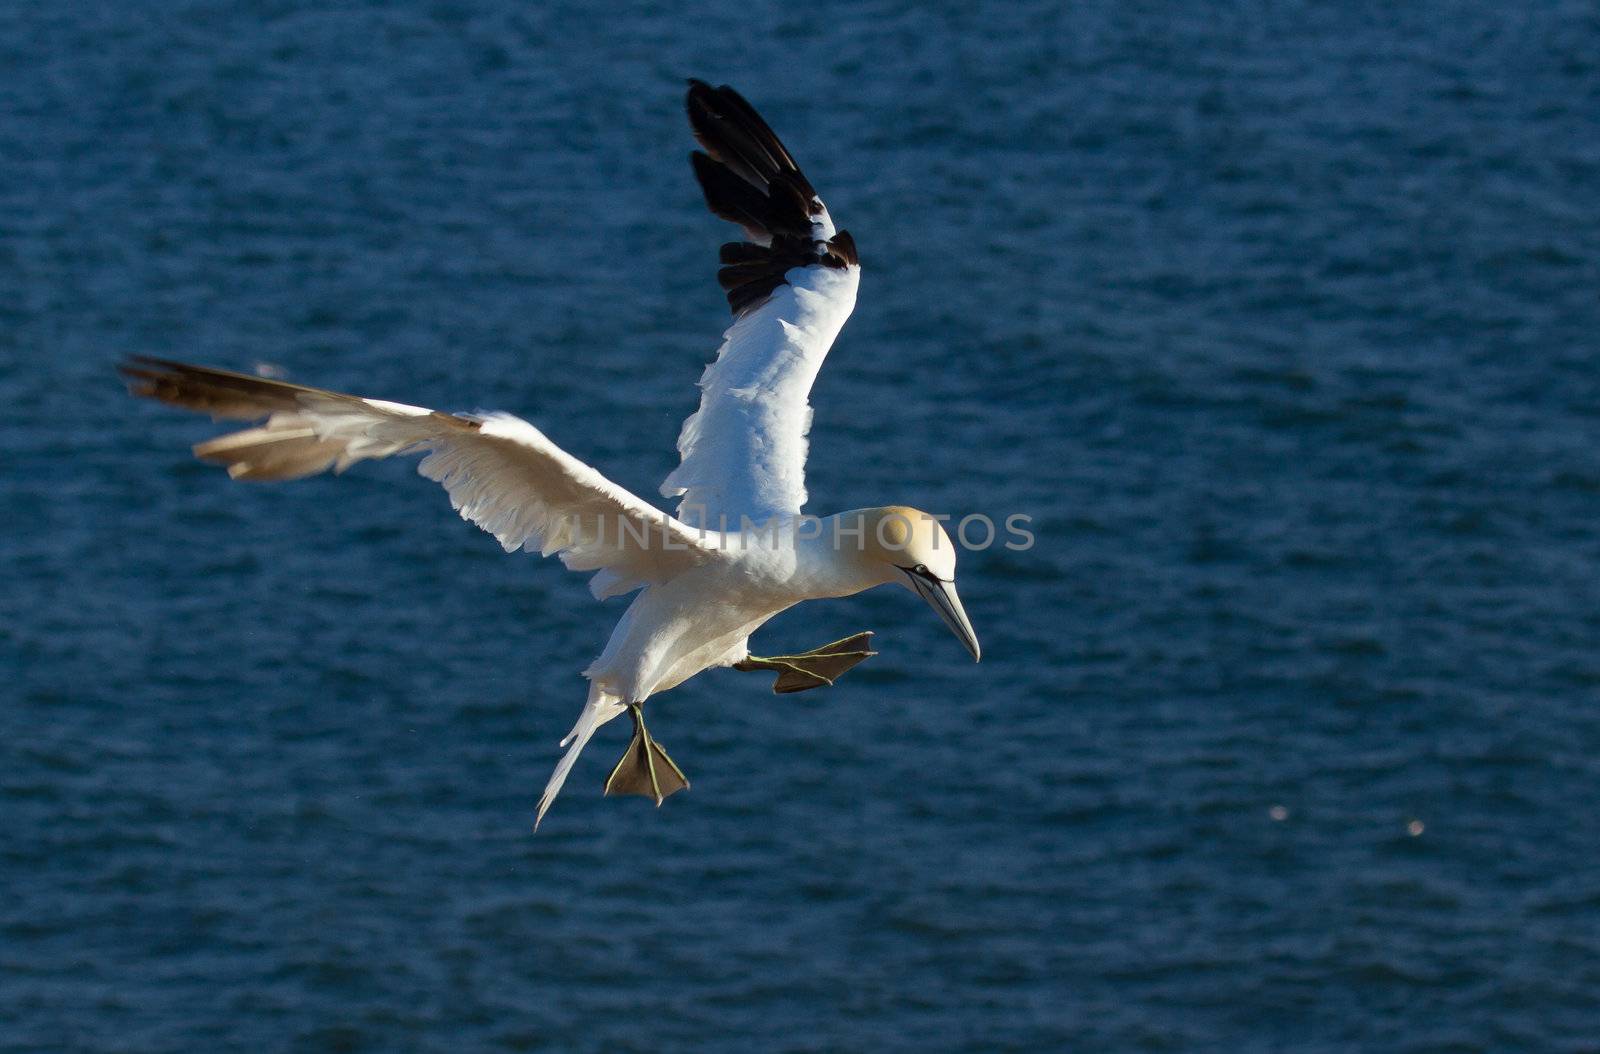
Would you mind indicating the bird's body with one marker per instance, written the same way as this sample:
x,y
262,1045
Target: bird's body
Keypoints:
x,y
739,551
669,634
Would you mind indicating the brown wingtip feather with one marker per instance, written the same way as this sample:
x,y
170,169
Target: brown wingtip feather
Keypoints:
x,y
294,441
269,454
220,393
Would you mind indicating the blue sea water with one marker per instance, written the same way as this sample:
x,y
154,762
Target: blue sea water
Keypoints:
x,y
1280,320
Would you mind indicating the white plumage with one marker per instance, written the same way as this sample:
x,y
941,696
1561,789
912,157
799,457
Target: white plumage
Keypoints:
x,y
703,585
744,450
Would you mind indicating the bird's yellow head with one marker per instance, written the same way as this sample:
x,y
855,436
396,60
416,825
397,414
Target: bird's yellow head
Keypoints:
x,y
914,550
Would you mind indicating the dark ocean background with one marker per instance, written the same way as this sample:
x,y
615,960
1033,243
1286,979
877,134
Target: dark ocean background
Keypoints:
x,y
1281,320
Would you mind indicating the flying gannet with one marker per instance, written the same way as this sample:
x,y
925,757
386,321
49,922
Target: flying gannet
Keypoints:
x,y
737,553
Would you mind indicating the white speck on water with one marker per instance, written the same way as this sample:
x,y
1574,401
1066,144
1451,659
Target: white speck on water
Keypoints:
x,y
1279,813
1415,828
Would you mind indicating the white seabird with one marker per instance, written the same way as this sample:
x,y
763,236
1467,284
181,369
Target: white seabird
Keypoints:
x,y
704,582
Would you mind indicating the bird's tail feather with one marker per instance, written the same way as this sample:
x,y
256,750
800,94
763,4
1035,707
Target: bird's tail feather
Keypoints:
x,y
601,707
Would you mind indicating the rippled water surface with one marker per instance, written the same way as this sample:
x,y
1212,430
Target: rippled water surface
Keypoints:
x,y
1280,320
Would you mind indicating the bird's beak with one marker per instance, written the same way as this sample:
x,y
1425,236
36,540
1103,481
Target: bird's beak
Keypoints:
x,y
941,596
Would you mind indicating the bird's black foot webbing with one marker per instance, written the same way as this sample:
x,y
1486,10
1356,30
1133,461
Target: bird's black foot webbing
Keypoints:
x,y
815,668
645,767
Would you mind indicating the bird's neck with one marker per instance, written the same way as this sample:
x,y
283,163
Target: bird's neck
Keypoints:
x,y
831,562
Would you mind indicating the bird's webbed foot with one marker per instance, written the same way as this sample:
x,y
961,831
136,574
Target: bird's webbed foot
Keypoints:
x,y
815,668
645,767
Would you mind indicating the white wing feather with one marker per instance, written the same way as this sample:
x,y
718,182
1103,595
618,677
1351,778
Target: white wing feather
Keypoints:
x,y
500,472
791,286
744,450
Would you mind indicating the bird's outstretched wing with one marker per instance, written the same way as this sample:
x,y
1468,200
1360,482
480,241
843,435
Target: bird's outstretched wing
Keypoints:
x,y
501,472
792,285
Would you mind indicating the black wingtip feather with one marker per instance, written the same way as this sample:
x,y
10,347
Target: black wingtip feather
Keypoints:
x,y
843,246
734,134
749,177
